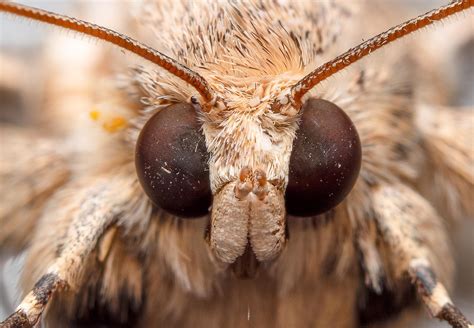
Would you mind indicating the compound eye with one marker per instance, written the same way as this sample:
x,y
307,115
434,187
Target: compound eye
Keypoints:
x,y
171,160
325,159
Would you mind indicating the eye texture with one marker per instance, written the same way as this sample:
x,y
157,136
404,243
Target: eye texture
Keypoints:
x,y
325,160
171,162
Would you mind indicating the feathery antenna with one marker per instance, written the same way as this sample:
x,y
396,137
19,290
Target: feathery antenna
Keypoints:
x,y
352,55
120,40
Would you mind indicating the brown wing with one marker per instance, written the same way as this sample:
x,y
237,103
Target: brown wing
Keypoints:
x,y
447,136
31,169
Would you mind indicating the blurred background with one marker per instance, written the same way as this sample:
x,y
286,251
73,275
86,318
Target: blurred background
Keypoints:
x,y
23,45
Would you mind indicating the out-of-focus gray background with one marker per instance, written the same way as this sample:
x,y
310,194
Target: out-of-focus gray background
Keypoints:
x,y
24,41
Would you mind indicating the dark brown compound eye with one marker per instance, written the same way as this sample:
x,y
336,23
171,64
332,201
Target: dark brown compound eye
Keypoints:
x,y
325,159
172,162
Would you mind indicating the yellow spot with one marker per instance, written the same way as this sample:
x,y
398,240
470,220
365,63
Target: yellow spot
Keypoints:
x,y
94,115
114,124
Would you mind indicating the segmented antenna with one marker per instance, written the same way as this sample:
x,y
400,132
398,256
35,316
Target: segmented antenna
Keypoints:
x,y
120,40
352,55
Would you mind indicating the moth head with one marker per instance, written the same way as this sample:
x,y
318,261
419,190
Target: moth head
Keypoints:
x,y
249,166
249,161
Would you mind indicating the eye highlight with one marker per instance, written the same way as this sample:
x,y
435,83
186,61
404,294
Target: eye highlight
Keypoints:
x,y
171,160
325,159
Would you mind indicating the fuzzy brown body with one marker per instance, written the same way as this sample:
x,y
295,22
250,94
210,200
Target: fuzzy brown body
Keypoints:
x,y
346,268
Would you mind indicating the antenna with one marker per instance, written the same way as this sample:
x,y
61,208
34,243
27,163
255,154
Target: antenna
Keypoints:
x,y
120,40
354,54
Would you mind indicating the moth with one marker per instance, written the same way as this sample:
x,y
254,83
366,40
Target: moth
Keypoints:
x,y
239,180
